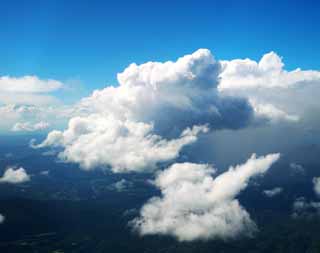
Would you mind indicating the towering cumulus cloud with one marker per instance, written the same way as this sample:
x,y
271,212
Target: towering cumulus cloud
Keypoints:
x,y
156,110
273,91
194,205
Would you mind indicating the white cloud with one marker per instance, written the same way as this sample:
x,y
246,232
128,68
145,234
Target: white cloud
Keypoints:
x,y
15,176
273,192
124,146
30,127
194,205
29,90
275,93
28,84
27,99
28,114
267,73
37,99
316,185
171,95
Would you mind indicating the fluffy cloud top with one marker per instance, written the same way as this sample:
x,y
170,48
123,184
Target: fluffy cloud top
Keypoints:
x,y
194,205
30,127
124,146
273,192
13,176
172,95
267,73
273,91
163,93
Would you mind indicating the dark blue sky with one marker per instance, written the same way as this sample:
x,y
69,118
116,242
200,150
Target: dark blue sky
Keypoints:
x,y
93,40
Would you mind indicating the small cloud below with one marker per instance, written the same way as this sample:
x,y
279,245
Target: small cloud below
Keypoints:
x,y
303,208
2,218
15,176
273,192
121,185
297,168
316,185
46,153
44,173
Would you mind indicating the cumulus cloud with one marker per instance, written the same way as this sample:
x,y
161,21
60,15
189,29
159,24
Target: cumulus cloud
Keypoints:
x,y
166,98
156,110
15,176
172,95
273,192
275,92
30,127
161,93
124,146
194,205
269,72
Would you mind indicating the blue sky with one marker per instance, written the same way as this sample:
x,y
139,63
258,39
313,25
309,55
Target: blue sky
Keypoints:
x,y
91,41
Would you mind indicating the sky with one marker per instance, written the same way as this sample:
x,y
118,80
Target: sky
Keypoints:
x,y
87,43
